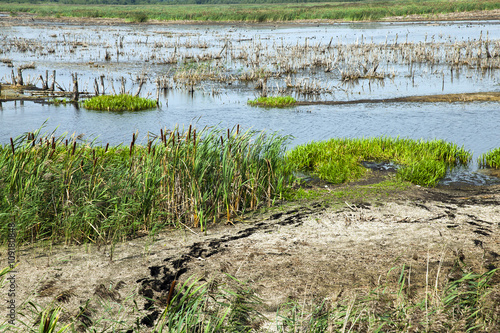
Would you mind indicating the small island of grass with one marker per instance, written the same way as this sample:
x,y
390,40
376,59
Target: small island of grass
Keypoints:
x,y
277,101
121,102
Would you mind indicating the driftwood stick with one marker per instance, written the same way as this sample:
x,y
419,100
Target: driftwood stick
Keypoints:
x,y
75,87
102,85
46,82
122,89
141,82
52,87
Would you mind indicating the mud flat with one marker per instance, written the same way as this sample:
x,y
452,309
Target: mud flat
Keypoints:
x,y
339,244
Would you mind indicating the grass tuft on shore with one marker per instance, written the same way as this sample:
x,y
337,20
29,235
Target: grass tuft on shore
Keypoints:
x,y
122,102
339,160
490,159
277,101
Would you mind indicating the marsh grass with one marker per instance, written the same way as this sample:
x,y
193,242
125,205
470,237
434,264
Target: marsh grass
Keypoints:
x,y
277,101
339,160
466,303
122,102
490,159
206,307
57,189
354,11
463,305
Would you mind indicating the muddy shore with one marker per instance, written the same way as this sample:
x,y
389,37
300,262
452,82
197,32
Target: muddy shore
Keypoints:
x,y
341,242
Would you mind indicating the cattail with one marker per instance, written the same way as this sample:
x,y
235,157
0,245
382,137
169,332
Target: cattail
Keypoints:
x,y
74,147
12,146
189,134
106,149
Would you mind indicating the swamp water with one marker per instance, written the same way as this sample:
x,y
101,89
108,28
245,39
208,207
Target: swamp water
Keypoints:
x,y
205,74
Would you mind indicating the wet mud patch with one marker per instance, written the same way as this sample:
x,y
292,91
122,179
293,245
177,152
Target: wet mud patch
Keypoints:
x,y
156,288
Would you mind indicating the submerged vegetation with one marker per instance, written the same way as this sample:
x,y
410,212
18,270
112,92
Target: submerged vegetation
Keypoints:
x,y
122,102
278,101
59,190
358,10
339,160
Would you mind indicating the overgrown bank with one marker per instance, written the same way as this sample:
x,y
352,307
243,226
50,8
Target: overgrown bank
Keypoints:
x,y
59,189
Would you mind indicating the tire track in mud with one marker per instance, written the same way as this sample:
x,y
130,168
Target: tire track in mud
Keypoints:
x,y
155,288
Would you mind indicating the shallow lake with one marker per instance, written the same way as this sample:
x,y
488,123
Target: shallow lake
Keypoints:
x,y
128,52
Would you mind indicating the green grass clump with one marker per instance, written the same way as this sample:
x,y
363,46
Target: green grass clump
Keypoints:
x,y
218,309
56,189
339,160
277,101
491,159
123,102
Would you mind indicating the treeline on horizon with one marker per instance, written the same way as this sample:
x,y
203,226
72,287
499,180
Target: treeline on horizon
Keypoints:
x,y
168,2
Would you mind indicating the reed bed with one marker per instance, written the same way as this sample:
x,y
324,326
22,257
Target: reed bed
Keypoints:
x,y
57,189
122,102
359,10
339,160
276,101
490,159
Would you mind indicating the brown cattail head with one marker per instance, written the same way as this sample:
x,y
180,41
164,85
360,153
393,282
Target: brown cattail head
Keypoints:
x,y
12,146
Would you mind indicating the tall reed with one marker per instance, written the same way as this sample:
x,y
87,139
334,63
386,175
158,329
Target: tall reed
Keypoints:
x,y
57,189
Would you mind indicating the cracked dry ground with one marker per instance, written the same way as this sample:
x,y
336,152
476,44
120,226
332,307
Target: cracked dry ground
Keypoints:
x,y
324,247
